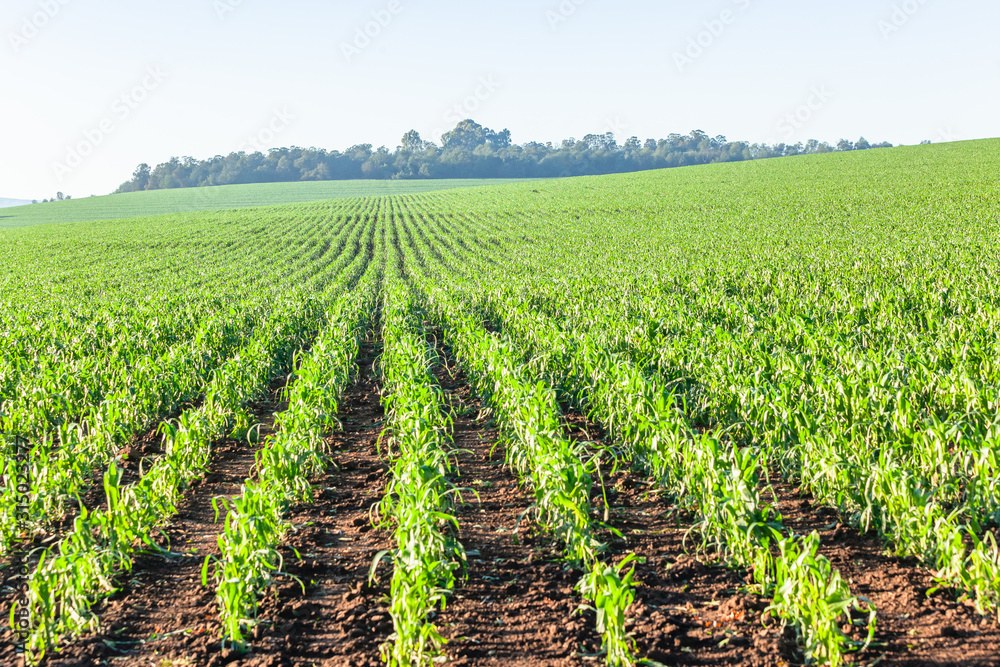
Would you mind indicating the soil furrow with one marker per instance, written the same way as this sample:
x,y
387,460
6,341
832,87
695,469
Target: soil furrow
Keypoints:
x,y
340,620
164,596
686,610
913,628
139,454
517,606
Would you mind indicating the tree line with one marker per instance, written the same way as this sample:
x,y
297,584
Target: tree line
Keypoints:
x,y
59,197
468,151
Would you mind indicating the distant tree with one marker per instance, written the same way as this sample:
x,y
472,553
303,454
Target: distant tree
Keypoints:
x,y
862,145
359,152
286,169
376,166
60,196
68,197
499,139
925,142
698,138
412,143
470,150
140,177
34,201
591,142
468,134
845,145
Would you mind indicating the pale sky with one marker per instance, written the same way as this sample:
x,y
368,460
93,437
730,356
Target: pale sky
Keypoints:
x,y
91,89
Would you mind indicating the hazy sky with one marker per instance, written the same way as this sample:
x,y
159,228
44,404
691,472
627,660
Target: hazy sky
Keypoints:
x,y
91,89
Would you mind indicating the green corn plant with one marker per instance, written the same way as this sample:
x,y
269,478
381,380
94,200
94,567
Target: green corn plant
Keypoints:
x,y
80,569
418,501
719,483
536,449
612,593
249,560
812,597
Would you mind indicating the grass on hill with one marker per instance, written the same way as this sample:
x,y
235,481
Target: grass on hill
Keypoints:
x,y
217,198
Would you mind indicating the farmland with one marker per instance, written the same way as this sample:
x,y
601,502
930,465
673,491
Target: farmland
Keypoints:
x,y
215,198
732,414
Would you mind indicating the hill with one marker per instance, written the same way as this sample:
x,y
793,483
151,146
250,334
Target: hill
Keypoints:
x,y
216,198
828,322
7,203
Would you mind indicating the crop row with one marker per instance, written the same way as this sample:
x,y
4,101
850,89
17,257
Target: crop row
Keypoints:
x,y
81,569
255,525
717,481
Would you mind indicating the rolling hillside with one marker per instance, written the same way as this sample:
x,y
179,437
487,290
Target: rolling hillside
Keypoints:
x,y
216,198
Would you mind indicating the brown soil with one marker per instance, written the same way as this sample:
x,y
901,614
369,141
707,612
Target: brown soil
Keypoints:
x,y
338,621
670,619
517,606
143,450
686,610
164,595
913,628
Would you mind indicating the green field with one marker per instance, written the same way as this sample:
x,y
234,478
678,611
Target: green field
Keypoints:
x,y
662,361
215,198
